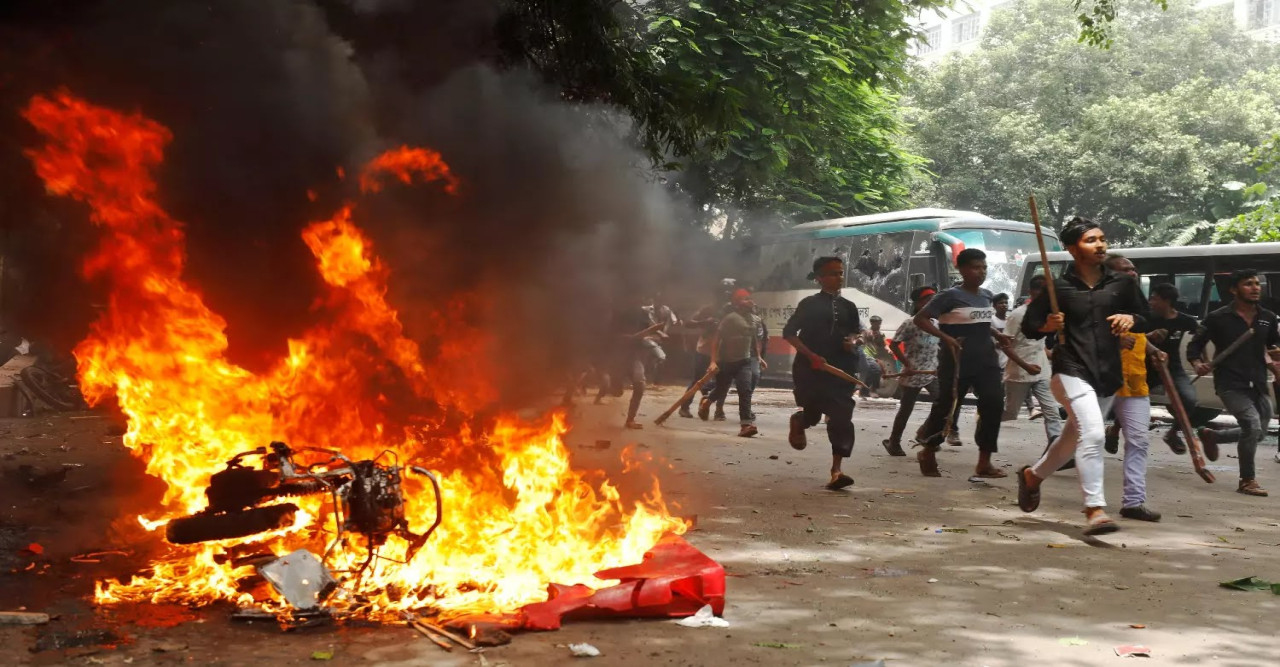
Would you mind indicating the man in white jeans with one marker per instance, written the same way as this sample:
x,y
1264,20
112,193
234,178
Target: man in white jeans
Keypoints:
x,y
1097,306
1019,384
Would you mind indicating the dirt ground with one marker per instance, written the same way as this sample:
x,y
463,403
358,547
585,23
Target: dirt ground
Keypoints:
x,y
815,577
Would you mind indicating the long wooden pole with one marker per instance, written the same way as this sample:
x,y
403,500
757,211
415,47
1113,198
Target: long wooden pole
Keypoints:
x,y
1044,260
843,375
1230,349
688,394
1183,420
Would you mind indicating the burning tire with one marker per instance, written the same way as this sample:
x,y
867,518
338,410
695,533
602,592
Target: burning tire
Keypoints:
x,y
210,527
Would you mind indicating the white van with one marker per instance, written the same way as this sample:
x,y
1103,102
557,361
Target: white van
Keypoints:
x,y
1200,273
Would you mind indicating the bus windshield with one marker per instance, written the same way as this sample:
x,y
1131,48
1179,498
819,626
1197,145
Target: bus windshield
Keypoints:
x,y
1007,253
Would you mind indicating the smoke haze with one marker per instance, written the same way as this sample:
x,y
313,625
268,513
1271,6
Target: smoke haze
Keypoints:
x,y
556,215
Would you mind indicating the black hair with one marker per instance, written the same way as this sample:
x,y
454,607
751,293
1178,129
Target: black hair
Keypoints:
x,y
919,291
1075,230
1037,282
1000,297
1112,258
823,261
1240,275
877,318
969,255
1165,291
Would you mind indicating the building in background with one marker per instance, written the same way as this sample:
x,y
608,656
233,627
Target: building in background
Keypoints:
x,y
959,29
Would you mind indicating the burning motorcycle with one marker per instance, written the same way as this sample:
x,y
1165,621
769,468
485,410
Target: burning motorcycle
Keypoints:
x,y
367,498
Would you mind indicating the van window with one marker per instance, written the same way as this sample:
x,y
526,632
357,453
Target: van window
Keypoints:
x,y
1220,294
1190,287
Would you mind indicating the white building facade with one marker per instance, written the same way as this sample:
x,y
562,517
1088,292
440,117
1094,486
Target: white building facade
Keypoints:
x,y
959,29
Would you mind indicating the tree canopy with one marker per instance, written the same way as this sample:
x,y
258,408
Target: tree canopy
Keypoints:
x,y
764,111
1152,127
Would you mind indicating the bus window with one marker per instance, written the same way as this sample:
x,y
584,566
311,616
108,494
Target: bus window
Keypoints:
x,y
786,266
878,266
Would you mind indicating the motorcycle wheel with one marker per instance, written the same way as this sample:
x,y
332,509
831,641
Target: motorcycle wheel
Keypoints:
x,y
51,388
210,527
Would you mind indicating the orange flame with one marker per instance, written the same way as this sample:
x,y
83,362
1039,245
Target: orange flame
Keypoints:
x,y
516,517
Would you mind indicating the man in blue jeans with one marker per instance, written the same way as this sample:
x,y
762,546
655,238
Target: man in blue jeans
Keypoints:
x,y
731,351
1240,378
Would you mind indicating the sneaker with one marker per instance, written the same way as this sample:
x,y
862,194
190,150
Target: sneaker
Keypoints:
x,y
1140,513
684,412
704,410
748,430
719,416
1209,438
895,449
1249,487
953,439
1174,440
796,435
1112,444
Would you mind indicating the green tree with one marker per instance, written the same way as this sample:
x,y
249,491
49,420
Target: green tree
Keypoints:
x,y
1130,135
1260,221
762,111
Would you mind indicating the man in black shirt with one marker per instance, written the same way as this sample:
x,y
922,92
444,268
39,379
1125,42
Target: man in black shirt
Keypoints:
x,y
1097,306
1168,330
967,361
822,330
1240,378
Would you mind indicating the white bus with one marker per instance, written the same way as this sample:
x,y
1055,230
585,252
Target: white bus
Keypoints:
x,y
1200,273
886,256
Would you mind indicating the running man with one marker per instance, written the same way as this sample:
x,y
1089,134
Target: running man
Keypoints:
x,y
1169,328
918,353
1021,383
1132,409
822,330
968,363
732,347
1240,378
1098,305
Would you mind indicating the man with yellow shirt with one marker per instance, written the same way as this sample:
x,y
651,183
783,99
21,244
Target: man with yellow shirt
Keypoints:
x,y
1132,409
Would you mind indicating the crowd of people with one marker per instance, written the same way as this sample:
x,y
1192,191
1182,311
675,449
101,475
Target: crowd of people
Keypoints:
x,y
1090,355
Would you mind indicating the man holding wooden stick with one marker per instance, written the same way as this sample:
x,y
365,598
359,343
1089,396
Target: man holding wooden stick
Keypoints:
x,y
918,352
822,331
964,325
1097,306
731,351
1243,332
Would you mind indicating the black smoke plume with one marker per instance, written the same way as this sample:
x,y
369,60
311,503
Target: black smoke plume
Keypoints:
x,y
558,216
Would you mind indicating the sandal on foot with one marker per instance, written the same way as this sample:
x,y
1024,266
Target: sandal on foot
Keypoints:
x,y
928,461
796,434
634,425
993,473
1028,498
1100,524
1250,487
840,482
